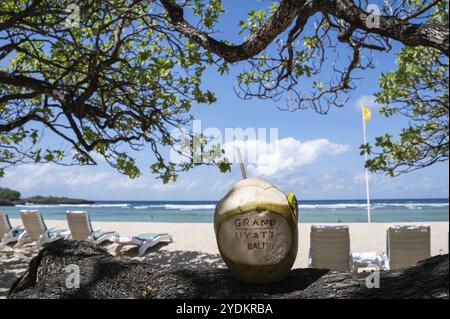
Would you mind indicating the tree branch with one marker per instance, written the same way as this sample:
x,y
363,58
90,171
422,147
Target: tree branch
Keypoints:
x,y
276,24
425,34
31,83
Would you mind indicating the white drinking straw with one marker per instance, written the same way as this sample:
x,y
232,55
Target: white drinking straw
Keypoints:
x,y
241,163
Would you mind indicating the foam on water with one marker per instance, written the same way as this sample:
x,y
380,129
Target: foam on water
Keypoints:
x,y
401,210
189,207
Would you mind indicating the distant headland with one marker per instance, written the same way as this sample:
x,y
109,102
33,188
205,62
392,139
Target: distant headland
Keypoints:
x,y
10,197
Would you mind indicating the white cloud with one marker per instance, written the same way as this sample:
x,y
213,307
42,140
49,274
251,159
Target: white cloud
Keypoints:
x,y
29,178
94,182
221,187
406,183
283,157
368,100
360,179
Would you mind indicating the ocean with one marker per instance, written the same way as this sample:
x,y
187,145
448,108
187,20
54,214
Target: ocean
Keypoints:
x,y
311,211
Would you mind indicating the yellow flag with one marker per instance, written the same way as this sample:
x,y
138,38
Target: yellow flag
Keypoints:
x,y
367,114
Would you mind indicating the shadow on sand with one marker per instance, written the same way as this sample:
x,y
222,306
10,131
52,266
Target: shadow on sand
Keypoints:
x,y
159,257
12,265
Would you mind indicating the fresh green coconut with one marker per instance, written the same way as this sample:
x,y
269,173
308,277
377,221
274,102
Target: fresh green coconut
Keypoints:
x,y
256,231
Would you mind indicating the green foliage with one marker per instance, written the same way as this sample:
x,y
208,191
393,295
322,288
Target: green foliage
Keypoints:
x,y
9,194
209,14
418,90
122,79
125,78
53,200
254,21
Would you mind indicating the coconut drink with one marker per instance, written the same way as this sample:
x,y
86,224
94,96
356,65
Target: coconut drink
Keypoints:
x,y
256,231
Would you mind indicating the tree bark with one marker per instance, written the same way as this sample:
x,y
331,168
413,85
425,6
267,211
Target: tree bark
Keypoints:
x,y
105,276
275,25
412,34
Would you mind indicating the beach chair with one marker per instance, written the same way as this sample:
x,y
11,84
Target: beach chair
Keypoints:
x,y
37,231
330,248
145,241
406,245
8,234
81,228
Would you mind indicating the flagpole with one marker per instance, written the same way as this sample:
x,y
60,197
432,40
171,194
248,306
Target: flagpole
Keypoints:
x,y
369,219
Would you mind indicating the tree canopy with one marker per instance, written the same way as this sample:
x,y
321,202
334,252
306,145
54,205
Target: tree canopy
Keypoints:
x,y
129,71
122,77
417,90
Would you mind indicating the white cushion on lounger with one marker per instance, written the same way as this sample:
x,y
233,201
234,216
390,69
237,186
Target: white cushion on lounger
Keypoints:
x,y
138,238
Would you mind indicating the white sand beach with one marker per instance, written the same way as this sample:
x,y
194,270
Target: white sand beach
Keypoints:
x,y
194,244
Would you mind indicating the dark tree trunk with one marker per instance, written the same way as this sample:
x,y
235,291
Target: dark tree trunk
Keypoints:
x,y
105,276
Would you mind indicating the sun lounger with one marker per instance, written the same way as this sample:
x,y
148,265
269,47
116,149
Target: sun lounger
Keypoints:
x,y
37,231
369,260
406,245
8,234
330,248
81,228
144,241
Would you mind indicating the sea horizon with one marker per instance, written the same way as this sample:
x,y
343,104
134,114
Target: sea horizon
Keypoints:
x,y
201,211
98,201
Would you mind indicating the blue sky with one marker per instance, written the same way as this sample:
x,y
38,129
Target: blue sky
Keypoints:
x,y
327,174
